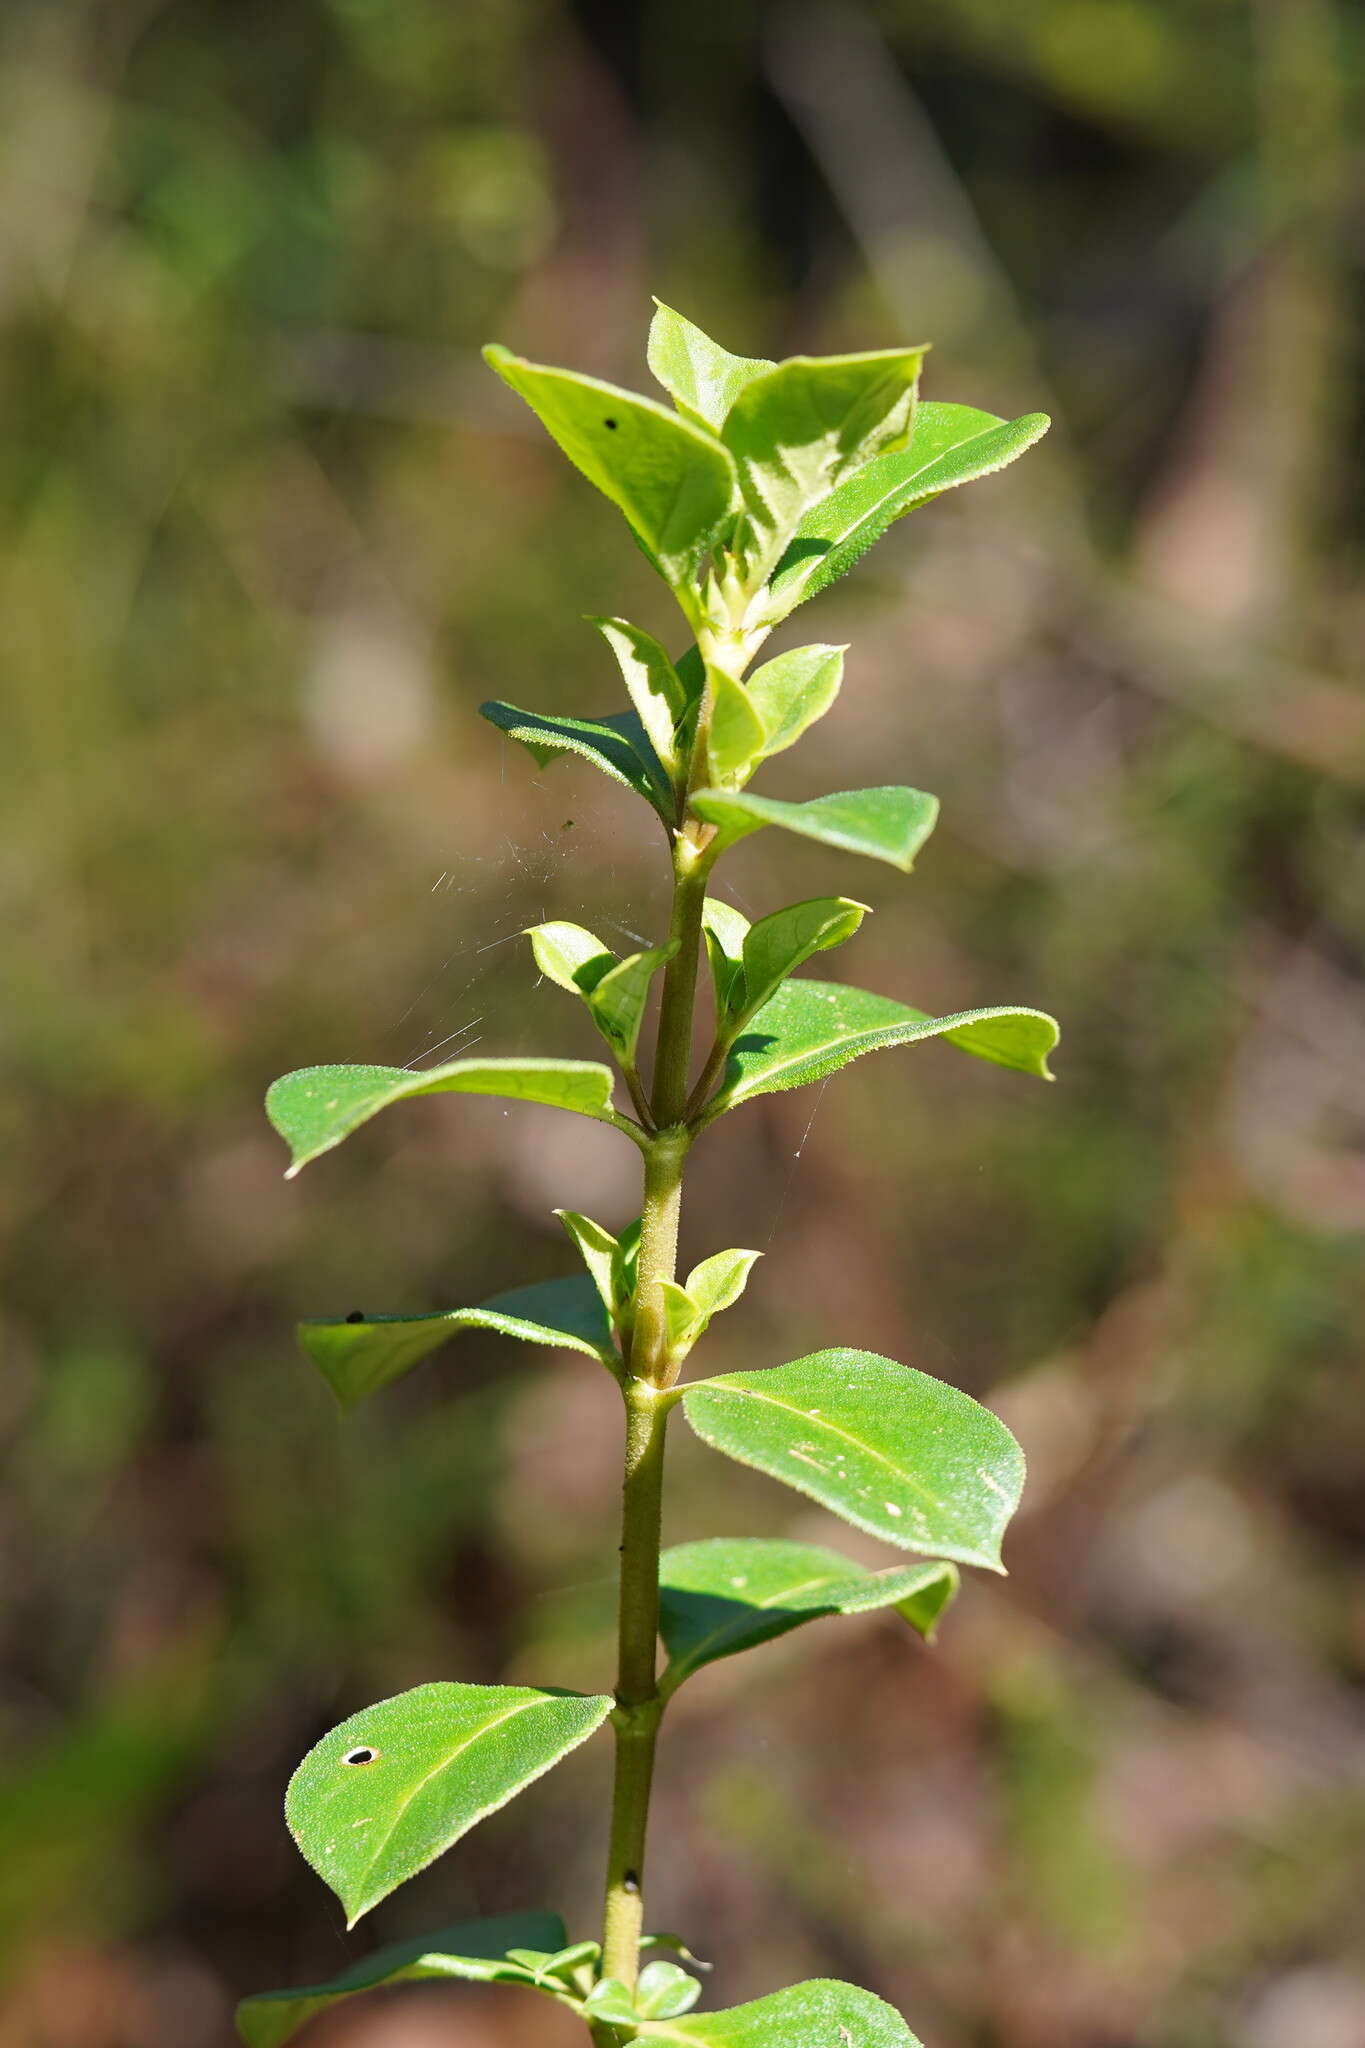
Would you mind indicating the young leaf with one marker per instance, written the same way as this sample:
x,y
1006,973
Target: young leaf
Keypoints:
x,y
357,1355
600,1253
617,744
904,1456
317,1107
794,689
673,481
777,945
682,1318
718,1282
478,1951
798,429
728,1594
610,2003
617,1001
949,445
821,2014
663,1991
570,956
738,735
725,930
395,1785
812,1028
885,824
702,378
656,690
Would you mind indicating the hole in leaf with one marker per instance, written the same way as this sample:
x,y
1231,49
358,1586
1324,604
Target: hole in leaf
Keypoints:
x,y
363,1755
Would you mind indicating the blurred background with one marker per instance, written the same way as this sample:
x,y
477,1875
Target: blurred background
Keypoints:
x,y
271,532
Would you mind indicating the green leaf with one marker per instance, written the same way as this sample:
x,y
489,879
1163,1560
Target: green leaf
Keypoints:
x,y
738,735
794,689
317,1107
478,1951
725,930
777,945
663,1991
359,1354
673,481
600,1253
812,1028
656,689
617,1002
729,1594
798,429
885,824
906,1457
682,1317
702,378
821,2014
949,445
718,1282
394,1786
610,2001
570,956
617,744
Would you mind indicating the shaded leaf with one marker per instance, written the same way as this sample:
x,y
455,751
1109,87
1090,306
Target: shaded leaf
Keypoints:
x,y
885,824
812,1028
821,2014
798,429
904,1456
673,481
728,1594
793,690
600,1253
618,1000
315,1108
725,929
424,1767
617,744
702,378
357,1355
949,445
478,1951
656,690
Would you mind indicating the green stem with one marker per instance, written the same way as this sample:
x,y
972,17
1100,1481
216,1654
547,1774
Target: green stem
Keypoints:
x,y
673,1059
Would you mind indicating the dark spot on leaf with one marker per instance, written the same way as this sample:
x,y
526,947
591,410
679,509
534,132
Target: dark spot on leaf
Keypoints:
x,y
363,1755
357,1315
611,424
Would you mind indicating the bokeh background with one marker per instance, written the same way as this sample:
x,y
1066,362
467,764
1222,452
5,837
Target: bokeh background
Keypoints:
x,y
271,532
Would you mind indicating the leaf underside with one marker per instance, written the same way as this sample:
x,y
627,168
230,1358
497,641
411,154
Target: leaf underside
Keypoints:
x,y
728,1594
317,1107
432,1762
475,1951
358,1354
812,1028
889,1449
821,2014
617,744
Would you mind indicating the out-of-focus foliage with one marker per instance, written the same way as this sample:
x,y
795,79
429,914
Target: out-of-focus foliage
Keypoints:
x,y
270,534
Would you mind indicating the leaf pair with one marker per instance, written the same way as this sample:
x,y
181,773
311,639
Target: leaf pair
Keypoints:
x,y
753,720
750,962
615,991
715,1284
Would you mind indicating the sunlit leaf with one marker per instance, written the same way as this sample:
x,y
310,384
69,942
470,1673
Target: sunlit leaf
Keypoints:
x,y
617,744
821,2014
618,1000
600,1253
777,945
394,1786
885,824
904,1456
663,1991
570,956
702,378
478,1951
610,2002
728,1594
718,1282
656,690
793,690
738,735
725,930
798,429
359,1354
316,1108
949,445
812,1028
673,481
